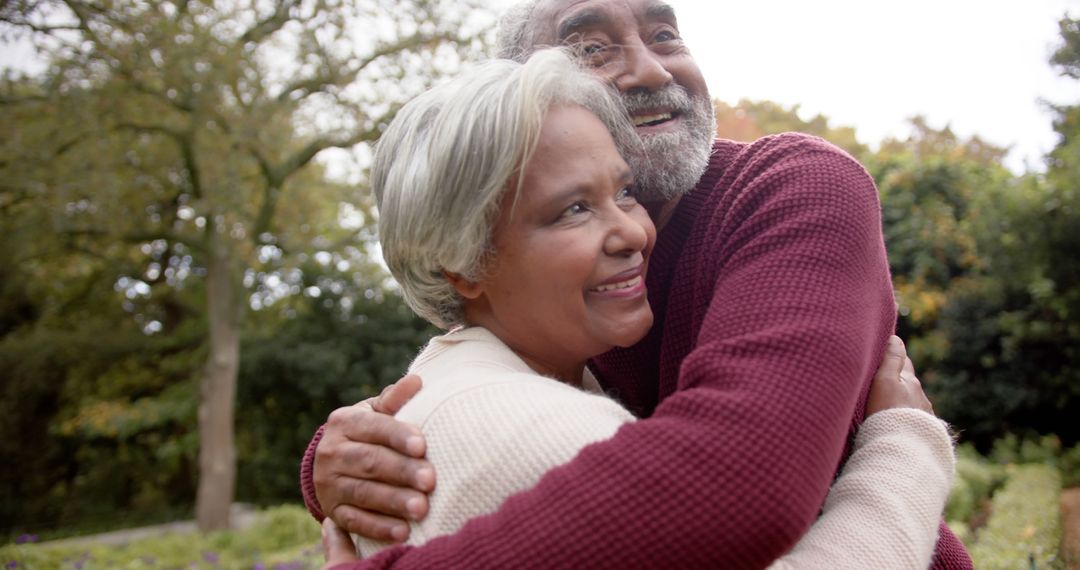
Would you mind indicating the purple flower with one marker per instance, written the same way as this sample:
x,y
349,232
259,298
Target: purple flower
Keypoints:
x,y
259,566
26,538
211,557
11,564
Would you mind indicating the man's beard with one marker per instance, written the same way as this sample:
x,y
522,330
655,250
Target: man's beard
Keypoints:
x,y
668,165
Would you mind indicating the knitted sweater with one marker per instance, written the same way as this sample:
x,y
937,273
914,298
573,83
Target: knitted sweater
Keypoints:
x,y
772,305
494,427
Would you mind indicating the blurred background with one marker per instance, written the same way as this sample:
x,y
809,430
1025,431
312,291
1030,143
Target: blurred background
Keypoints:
x,y
189,269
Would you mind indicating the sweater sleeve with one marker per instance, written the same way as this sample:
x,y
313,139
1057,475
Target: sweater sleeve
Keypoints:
x,y
732,468
307,477
883,510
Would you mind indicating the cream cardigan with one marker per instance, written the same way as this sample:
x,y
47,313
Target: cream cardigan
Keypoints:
x,y
494,427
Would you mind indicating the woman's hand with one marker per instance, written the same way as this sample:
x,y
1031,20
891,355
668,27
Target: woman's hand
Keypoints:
x,y
895,384
337,545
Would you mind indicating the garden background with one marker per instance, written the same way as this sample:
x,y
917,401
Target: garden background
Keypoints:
x,y
189,280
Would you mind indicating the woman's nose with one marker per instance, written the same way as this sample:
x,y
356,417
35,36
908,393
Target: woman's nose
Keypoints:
x,y
627,234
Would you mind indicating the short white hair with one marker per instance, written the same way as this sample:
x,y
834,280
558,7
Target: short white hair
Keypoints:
x,y
443,164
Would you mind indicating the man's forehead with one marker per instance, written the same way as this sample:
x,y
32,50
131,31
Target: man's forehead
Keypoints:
x,y
556,20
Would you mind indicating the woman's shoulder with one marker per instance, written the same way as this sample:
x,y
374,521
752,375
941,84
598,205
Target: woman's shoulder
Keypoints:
x,y
471,369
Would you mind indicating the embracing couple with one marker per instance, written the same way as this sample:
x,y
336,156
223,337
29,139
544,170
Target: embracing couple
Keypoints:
x,y
664,351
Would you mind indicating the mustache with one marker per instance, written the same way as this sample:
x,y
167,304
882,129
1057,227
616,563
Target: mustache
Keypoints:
x,y
672,97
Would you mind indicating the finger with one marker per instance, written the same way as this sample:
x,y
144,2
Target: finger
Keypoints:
x,y
376,428
371,525
909,371
366,461
338,547
375,496
396,395
892,363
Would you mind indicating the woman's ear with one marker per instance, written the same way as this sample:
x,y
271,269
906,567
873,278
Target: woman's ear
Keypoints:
x,y
464,287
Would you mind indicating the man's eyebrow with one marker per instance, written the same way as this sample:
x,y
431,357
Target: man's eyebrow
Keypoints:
x,y
660,11
578,22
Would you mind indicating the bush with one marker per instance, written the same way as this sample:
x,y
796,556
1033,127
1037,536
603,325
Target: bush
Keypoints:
x,y
976,480
282,538
1024,529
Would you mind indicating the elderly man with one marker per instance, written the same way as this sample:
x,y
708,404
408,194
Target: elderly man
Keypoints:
x,y
773,306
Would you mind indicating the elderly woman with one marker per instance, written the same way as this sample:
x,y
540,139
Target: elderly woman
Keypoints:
x,y
508,217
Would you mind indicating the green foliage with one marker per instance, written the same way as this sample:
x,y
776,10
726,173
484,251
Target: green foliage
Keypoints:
x,y
1046,450
975,482
986,284
281,537
1024,525
161,180
291,377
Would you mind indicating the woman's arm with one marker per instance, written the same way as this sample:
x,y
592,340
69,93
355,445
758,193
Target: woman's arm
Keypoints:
x,y
883,510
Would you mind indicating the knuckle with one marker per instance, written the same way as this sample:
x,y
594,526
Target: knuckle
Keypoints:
x,y
370,463
337,416
360,494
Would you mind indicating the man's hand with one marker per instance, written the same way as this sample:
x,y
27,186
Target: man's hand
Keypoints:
x,y
895,384
337,545
369,473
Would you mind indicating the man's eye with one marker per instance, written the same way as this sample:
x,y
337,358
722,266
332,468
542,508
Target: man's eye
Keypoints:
x,y
666,36
591,49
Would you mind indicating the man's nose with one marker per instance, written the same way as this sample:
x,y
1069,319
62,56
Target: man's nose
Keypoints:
x,y
641,69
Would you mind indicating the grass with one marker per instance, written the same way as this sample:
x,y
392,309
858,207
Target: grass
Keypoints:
x,y
1024,529
283,538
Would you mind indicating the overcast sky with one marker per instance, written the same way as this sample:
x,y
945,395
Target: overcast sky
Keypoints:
x,y
978,65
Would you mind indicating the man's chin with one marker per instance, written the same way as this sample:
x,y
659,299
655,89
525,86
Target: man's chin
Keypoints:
x,y
669,168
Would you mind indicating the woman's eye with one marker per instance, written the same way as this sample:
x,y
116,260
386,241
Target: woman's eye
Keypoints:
x,y
576,209
626,194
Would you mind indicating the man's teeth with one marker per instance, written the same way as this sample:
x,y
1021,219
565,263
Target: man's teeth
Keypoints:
x,y
646,119
615,286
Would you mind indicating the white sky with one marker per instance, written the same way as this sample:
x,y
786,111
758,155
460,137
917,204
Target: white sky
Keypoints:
x,y
977,65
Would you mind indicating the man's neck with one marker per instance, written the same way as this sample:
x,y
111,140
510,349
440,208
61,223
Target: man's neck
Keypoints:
x,y
661,212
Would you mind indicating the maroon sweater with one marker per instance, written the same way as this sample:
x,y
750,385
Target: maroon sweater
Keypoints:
x,y
773,304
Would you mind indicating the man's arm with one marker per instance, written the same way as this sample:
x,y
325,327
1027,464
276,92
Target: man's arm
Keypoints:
x,y
733,467
368,470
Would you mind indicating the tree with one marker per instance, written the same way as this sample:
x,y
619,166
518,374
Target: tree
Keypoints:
x,y
750,120
171,144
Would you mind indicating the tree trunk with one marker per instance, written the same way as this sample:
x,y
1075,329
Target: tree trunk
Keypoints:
x,y
217,453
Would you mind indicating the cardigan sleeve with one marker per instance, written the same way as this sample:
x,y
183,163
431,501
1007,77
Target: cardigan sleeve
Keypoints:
x,y
734,466
883,510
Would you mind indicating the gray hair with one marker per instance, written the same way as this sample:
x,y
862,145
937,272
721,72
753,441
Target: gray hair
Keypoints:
x,y
514,39
443,164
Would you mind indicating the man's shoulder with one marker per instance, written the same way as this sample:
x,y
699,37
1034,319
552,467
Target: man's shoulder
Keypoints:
x,y
783,163
779,147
